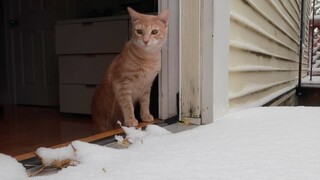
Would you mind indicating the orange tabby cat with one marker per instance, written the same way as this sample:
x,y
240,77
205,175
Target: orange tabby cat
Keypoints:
x,y
129,78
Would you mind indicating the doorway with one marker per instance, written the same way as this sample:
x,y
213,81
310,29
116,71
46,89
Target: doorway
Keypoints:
x,y
30,47
29,64
32,63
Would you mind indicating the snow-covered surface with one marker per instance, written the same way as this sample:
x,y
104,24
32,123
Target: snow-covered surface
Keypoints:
x,y
134,135
49,156
10,169
315,57
315,82
258,143
316,48
317,63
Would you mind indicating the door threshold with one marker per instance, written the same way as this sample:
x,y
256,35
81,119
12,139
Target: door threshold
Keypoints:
x,y
100,138
30,161
33,164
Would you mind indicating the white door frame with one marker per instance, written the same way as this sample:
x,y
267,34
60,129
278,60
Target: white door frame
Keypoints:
x,y
169,75
204,59
221,29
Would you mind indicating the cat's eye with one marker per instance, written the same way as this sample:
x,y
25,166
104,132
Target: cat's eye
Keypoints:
x,y
139,31
154,32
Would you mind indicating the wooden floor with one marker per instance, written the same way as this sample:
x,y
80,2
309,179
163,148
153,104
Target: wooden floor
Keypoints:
x,y
25,128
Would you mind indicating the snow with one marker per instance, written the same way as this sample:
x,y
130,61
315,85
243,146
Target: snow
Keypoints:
x,y
154,130
132,134
305,81
315,80
50,156
258,143
11,169
317,63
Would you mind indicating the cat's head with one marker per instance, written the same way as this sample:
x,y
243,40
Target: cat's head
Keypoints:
x,y
149,31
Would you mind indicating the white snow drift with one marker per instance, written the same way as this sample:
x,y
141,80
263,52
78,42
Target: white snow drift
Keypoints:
x,y
260,143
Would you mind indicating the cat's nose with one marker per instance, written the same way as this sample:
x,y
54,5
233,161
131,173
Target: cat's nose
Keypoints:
x,y
145,42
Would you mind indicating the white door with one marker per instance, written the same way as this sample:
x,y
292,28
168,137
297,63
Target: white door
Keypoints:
x,y
31,52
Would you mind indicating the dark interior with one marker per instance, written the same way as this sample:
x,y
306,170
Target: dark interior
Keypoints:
x,y
309,96
10,103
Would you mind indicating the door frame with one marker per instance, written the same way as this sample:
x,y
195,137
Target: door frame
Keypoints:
x,y
169,75
214,72
220,69
204,68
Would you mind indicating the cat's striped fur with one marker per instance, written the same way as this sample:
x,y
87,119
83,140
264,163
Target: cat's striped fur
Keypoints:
x,y
129,78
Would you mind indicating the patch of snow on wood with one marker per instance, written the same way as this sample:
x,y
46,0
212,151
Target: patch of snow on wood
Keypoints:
x,y
57,157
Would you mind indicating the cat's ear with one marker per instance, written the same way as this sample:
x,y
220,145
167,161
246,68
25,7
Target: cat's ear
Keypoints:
x,y
134,14
164,16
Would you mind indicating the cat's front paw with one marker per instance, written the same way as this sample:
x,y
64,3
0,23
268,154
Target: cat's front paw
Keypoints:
x,y
133,122
147,118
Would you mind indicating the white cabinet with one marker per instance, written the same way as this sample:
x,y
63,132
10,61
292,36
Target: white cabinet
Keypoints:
x,y
85,48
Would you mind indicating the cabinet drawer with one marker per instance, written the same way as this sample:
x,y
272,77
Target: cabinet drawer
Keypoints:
x,y
95,37
76,98
83,69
